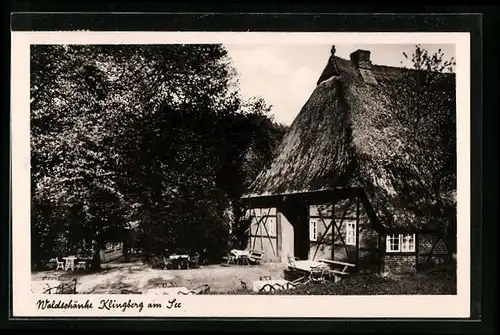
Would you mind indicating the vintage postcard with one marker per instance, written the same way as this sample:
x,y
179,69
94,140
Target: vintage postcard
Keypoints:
x,y
240,174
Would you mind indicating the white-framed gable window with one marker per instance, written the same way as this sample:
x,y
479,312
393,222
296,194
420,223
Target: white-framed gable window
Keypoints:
x,y
400,243
350,236
313,229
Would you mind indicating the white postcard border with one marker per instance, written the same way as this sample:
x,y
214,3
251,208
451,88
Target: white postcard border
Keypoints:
x,y
25,303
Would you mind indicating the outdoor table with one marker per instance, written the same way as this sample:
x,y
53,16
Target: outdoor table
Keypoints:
x,y
306,265
241,256
179,261
70,263
179,257
167,290
277,284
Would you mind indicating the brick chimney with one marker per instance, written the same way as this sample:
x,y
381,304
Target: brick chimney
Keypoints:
x,y
361,59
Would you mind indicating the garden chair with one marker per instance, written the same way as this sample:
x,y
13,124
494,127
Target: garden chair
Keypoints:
x,y
194,262
291,262
59,264
167,263
255,256
229,259
318,274
82,265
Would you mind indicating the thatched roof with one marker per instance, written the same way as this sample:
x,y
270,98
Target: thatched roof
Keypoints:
x,y
333,142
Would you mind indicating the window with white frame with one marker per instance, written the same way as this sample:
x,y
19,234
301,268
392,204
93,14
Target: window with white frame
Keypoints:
x,y
408,243
400,243
350,238
313,230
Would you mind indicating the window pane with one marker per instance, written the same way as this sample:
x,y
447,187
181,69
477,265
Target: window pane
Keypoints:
x,y
393,242
312,230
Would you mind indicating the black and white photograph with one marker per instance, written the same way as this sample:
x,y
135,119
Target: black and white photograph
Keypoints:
x,y
266,168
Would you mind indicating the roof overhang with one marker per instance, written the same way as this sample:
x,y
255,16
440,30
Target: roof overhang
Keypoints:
x,y
314,197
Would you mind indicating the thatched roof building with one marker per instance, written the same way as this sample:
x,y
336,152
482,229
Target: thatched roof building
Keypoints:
x,y
336,141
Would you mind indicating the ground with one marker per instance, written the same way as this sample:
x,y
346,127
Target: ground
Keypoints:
x,y
135,276
138,277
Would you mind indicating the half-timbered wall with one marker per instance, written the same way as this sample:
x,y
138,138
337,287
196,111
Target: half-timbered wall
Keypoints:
x,y
271,233
344,234
432,250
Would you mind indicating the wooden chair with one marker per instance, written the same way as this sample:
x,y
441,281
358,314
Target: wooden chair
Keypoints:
x,y
59,264
167,264
291,261
228,260
81,265
339,269
255,256
318,274
194,262
242,260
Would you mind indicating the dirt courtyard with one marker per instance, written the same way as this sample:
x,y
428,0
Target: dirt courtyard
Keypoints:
x,y
138,277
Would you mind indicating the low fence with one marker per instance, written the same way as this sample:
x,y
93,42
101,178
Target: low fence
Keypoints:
x,y
112,254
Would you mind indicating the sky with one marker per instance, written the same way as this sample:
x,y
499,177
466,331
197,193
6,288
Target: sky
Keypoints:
x,y
286,75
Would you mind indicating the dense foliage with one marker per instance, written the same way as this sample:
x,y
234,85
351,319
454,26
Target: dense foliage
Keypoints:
x,y
153,138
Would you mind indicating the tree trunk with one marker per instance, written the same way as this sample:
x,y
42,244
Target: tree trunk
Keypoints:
x,y
96,257
126,245
239,231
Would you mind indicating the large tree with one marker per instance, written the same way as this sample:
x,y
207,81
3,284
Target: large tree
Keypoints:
x,y
154,134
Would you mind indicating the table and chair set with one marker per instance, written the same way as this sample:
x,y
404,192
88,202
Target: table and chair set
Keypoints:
x,y
242,257
71,263
301,272
181,260
318,271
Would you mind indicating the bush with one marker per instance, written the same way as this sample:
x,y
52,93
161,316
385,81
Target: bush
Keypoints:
x,y
442,283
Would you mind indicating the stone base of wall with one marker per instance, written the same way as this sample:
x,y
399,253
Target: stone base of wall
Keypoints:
x,y
399,264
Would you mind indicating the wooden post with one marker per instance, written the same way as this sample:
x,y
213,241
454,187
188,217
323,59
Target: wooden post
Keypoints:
x,y
333,231
357,233
279,238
